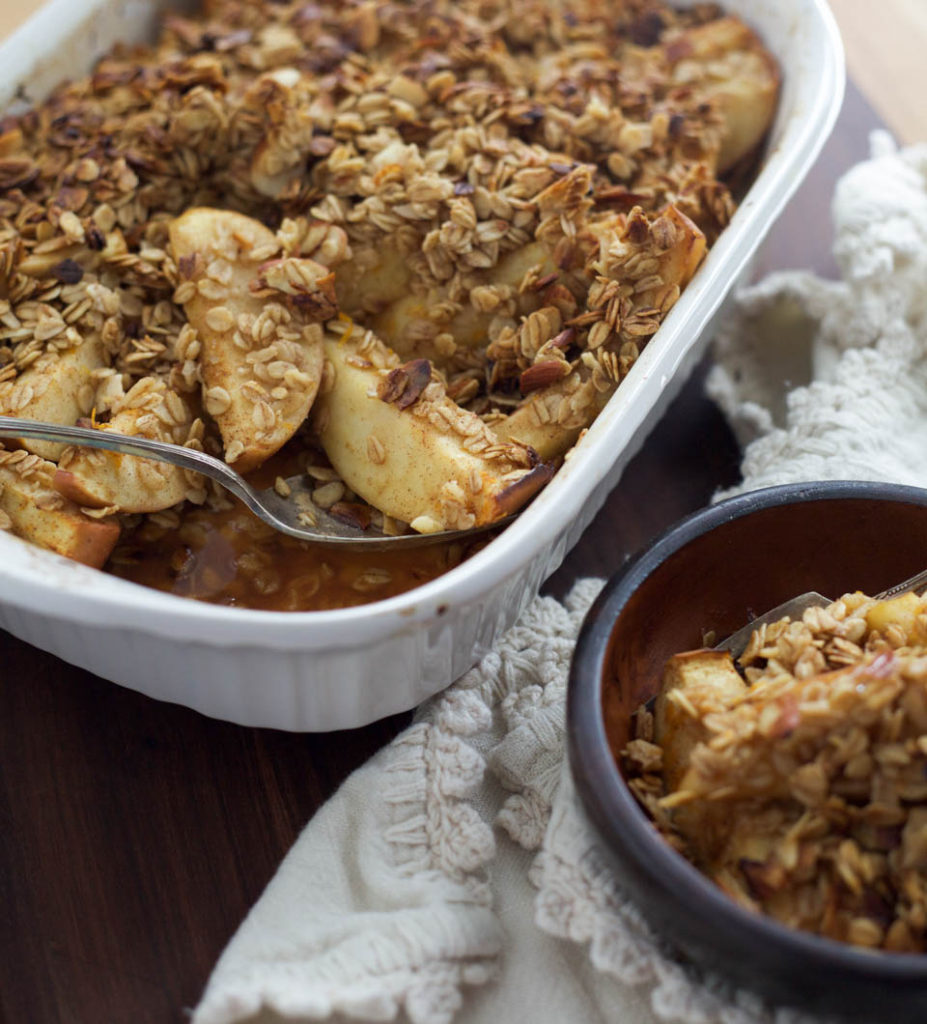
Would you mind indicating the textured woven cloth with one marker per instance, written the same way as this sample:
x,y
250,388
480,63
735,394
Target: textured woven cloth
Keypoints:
x,y
452,878
826,380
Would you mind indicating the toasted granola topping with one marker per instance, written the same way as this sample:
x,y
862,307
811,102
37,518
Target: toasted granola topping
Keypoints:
x,y
802,791
404,385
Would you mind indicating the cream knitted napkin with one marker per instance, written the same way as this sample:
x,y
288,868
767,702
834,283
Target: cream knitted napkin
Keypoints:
x,y
827,380
452,877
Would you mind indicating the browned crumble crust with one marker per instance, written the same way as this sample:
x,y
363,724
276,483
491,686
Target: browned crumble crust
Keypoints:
x,y
511,194
805,793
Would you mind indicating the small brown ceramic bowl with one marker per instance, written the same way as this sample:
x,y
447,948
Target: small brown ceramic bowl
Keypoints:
x,y
716,571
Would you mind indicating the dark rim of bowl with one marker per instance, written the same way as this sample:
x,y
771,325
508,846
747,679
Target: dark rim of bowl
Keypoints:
x,y
609,801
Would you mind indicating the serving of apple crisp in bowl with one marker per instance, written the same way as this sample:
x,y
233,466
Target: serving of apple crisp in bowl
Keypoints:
x,y
409,250
800,785
768,813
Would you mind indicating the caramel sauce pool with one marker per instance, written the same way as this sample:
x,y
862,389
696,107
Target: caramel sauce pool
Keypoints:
x,y
233,558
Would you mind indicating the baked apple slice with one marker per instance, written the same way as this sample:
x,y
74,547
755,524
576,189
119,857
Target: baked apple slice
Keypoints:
x,y
640,272
56,388
413,324
96,478
38,513
398,441
733,68
256,317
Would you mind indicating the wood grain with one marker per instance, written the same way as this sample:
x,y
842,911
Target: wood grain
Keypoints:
x,y
885,44
135,836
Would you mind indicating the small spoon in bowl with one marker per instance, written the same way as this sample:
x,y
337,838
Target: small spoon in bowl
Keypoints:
x,y
795,607
295,514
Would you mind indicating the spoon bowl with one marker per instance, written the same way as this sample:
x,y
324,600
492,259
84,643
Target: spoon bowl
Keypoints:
x,y
292,512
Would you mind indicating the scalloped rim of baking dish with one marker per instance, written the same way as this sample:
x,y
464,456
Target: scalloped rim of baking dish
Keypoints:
x,y
43,582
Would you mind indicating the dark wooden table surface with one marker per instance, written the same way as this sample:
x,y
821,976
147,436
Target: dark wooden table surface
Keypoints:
x,y
135,835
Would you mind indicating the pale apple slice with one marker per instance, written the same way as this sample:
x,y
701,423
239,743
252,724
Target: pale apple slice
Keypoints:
x,y
399,442
410,324
261,355
451,321
96,478
41,515
373,279
735,70
56,388
289,112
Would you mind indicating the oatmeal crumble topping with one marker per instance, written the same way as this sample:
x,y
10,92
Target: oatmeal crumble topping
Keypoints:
x,y
459,222
802,790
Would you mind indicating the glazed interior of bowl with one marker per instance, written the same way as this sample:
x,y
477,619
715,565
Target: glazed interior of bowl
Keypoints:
x,y
714,572
720,579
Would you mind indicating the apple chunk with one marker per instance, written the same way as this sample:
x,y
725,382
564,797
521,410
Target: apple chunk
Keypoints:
x,y
38,513
692,682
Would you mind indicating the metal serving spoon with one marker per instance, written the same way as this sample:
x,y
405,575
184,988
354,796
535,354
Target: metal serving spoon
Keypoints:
x,y
282,513
737,642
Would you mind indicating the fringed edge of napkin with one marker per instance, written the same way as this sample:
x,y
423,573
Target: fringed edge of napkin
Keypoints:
x,y
427,930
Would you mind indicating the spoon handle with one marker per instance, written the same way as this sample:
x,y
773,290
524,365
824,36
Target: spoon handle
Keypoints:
x,y
160,451
913,583
281,514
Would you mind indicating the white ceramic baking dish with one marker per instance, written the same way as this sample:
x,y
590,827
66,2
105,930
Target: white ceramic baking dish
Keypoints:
x,y
329,670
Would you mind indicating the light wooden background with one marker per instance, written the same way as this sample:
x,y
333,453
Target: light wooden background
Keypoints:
x,y
886,41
